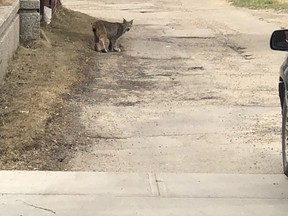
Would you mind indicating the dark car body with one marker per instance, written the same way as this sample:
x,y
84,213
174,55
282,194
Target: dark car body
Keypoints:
x,y
279,41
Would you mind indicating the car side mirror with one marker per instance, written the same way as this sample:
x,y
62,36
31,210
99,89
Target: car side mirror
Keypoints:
x,y
279,40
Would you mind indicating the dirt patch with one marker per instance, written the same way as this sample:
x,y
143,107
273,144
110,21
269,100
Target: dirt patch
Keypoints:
x,y
38,84
5,2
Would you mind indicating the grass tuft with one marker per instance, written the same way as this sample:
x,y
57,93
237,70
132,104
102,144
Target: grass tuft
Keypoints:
x,y
261,4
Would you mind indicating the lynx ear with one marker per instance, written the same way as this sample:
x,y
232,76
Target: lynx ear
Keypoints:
x,y
131,21
124,20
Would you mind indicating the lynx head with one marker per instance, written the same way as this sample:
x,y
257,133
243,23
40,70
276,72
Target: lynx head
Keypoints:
x,y
127,25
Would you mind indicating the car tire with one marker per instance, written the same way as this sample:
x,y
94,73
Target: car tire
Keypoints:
x,y
285,136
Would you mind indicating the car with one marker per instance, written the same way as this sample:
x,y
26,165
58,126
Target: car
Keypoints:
x,y
279,41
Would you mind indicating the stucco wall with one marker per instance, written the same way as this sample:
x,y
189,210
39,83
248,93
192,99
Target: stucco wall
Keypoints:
x,y
9,35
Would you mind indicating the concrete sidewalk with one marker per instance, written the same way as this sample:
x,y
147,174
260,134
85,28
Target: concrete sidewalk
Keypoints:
x,y
91,193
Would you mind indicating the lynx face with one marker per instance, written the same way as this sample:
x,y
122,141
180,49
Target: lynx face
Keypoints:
x,y
127,25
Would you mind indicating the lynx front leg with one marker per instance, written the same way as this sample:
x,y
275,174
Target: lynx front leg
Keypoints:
x,y
114,46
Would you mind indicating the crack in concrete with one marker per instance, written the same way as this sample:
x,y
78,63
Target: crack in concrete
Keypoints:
x,y
151,136
154,184
36,207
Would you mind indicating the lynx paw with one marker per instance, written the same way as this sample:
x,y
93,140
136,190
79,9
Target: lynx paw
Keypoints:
x,y
116,49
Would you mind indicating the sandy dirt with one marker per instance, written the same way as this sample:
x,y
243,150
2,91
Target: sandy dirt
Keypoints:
x,y
194,90
5,2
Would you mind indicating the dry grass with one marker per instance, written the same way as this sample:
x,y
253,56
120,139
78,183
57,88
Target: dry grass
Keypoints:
x,y
261,4
38,78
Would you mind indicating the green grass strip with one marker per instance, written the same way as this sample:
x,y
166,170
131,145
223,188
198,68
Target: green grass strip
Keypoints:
x,y
260,4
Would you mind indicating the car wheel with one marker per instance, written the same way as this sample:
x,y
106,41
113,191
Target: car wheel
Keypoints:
x,y
285,136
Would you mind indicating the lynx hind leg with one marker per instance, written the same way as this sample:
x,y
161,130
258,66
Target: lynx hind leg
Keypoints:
x,y
103,45
106,44
96,40
97,47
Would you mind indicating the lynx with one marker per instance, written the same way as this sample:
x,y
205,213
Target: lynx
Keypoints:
x,y
107,33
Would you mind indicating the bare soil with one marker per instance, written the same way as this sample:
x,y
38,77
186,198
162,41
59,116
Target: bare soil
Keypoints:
x,y
40,79
5,2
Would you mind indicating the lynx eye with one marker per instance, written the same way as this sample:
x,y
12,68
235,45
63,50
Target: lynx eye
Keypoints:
x,y
128,29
